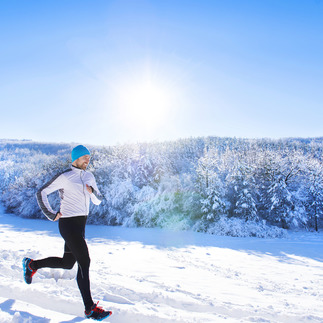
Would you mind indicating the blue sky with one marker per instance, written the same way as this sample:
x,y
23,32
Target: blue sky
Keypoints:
x,y
107,72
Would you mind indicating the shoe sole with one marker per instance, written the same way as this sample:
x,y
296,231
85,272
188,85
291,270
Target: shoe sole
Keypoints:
x,y
25,270
101,319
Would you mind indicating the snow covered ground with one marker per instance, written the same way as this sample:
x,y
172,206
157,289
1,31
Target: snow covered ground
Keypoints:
x,y
152,275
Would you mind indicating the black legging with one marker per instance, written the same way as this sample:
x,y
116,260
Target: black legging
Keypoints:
x,y
73,232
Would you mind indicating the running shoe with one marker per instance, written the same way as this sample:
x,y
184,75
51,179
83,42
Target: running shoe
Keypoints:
x,y
28,271
97,313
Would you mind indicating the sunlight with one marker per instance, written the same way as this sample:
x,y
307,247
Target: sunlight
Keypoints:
x,y
146,99
145,105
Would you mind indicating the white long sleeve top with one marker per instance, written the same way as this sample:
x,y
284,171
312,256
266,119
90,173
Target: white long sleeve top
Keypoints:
x,y
75,198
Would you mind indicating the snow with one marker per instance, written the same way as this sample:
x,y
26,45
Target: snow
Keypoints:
x,y
154,275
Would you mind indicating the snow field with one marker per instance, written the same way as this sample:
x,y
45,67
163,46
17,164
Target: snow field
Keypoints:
x,y
152,275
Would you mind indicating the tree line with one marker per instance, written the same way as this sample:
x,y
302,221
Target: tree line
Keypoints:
x,y
218,185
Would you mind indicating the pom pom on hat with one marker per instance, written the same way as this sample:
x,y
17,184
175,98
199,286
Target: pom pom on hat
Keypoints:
x,y
79,151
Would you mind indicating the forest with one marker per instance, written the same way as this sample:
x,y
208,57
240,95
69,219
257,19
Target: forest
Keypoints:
x,y
223,186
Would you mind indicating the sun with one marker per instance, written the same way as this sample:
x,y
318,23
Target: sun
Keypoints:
x,y
145,104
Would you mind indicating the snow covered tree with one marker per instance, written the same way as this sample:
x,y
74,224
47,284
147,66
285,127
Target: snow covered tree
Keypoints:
x,y
314,177
281,203
179,183
241,188
282,195
20,194
212,201
245,207
168,207
210,187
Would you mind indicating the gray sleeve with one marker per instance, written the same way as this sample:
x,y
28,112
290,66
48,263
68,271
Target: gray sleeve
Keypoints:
x,y
53,185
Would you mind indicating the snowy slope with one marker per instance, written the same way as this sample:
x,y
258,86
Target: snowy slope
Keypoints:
x,y
152,275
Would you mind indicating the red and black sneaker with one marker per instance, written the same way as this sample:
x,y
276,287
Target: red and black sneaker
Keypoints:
x,y
28,271
97,313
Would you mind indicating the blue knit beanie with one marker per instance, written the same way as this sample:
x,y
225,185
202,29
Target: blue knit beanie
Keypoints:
x,y
79,151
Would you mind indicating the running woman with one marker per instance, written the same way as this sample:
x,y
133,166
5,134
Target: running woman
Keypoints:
x,y
77,187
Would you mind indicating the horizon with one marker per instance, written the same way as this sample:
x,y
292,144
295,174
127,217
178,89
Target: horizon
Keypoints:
x,y
157,141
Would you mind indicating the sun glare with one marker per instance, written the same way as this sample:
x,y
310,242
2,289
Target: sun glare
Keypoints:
x,y
145,105
146,101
